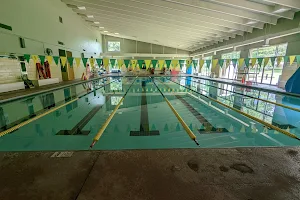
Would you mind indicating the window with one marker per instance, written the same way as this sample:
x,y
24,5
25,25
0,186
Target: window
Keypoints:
x,y
278,50
114,46
232,55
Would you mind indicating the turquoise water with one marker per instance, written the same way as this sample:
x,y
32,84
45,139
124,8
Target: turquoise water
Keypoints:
x,y
144,112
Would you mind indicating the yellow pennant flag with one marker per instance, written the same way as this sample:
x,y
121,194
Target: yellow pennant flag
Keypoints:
x,y
214,63
49,59
120,63
35,58
228,63
188,63
253,61
161,64
147,63
201,63
133,63
266,61
292,59
105,62
175,63
241,62
63,60
77,61
92,62
279,59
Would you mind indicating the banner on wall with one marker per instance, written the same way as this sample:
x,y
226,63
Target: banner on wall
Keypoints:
x,y
126,62
77,61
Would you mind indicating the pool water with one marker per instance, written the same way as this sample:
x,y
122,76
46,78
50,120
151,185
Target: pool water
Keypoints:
x,y
143,120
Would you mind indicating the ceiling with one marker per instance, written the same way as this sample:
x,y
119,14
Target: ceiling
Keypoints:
x,y
182,24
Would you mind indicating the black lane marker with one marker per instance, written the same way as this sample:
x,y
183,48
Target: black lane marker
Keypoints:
x,y
144,124
77,130
208,127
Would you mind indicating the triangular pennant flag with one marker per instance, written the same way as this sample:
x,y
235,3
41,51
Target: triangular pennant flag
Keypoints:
x,y
241,62
279,60
77,61
272,60
266,61
285,59
42,59
178,127
147,62
161,64
259,61
214,63
228,61
35,58
63,60
168,63
154,63
166,128
292,59
221,62
298,60
201,63
153,127
243,129
175,63
120,63
195,63
247,61
113,63
140,63
106,63
191,126
208,62
234,62
99,61
56,59
133,63
49,59
126,62
253,61
181,63
84,60
70,60
92,62
27,57
188,63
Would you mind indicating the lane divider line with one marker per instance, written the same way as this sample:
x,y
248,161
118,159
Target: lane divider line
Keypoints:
x,y
106,123
247,115
184,125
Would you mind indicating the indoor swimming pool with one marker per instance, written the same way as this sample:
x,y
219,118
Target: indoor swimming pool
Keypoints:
x,y
216,113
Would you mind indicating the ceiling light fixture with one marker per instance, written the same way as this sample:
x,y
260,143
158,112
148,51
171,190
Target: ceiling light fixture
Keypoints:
x,y
101,27
105,31
81,8
117,33
90,16
96,22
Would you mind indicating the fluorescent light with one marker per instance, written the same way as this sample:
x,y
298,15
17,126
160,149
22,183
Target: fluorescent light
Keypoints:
x,y
96,22
105,31
81,8
281,9
101,27
117,33
250,22
90,16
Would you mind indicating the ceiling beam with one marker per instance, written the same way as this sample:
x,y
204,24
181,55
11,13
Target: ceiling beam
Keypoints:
x,y
288,3
256,7
226,10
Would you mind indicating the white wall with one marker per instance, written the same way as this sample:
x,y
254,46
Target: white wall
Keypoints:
x,y
38,22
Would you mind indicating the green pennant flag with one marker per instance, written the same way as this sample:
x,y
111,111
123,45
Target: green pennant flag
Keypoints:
x,y
259,61
27,57
126,62
195,63
181,63
298,60
166,128
99,61
42,58
113,62
56,59
234,61
84,60
208,62
273,60
285,59
168,63
154,63
140,62
178,127
221,62
247,61
70,60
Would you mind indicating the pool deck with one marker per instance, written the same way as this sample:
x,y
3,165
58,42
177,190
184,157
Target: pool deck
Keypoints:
x,y
175,174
